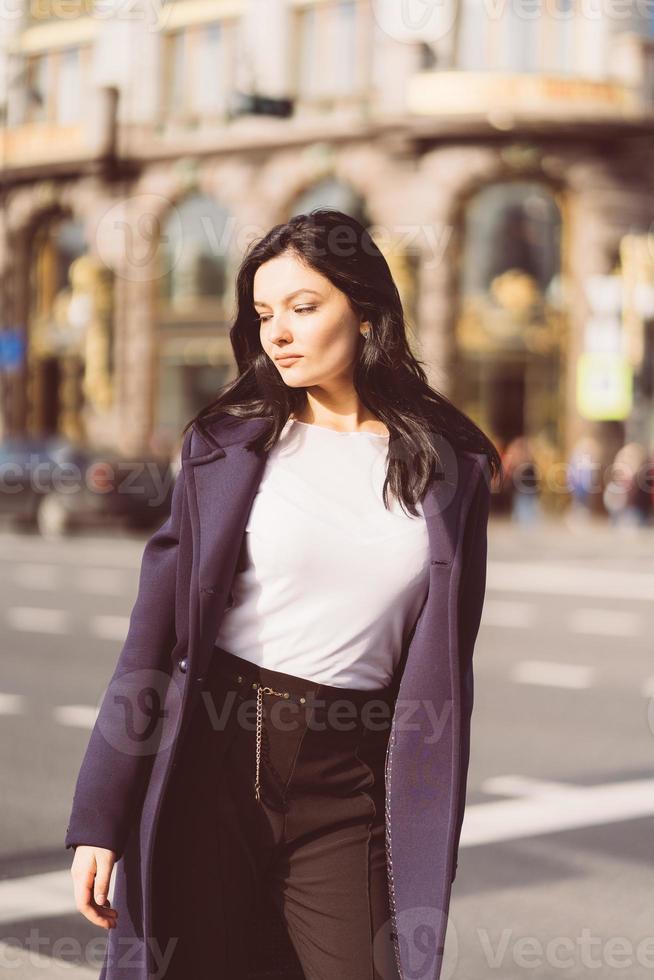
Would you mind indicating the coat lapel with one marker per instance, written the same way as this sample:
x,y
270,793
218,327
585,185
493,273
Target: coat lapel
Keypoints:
x,y
221,480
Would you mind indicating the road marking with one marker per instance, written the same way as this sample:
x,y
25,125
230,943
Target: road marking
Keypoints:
x,y
101,581
33,619
110,627
605,622
552,674
98,581
76,715
537,807
11,704
124,553
503,613
36,576
41,895
29,964
552,578
50,893
549,807
648,687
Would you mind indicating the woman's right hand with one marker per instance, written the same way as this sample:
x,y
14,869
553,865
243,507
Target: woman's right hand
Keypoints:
x,y
91,870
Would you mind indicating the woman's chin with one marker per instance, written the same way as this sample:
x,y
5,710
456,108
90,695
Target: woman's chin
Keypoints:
x,y
295,381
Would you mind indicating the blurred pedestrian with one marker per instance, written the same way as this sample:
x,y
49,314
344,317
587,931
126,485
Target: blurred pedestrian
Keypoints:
x,y
523,479
584,476
627,495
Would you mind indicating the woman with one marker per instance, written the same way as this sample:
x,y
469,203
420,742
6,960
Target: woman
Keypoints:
x,y
326,548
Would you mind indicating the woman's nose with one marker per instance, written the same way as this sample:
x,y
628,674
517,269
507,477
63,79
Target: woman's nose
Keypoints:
x,y
278,329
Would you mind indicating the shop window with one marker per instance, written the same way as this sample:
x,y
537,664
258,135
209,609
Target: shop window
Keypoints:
x,y
511,322
193,255
194,291
70,336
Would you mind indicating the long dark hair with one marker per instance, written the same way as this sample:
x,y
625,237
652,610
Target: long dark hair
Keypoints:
x,y
388,379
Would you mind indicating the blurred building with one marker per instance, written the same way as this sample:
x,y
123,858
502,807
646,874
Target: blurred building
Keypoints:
x,y
502,160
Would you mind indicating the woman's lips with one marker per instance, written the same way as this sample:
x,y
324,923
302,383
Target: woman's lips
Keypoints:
x,y
287,361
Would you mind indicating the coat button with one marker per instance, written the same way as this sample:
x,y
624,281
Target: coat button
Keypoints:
x,y
183,664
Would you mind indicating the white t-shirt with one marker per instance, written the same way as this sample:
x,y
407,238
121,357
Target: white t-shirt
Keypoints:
x,y
334,581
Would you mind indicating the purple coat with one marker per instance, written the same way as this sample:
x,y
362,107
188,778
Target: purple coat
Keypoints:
x,y
184,587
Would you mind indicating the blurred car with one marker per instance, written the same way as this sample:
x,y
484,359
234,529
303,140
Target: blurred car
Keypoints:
x,y
56,486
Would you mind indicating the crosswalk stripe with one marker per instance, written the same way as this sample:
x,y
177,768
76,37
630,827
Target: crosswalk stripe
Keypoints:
x,y
648,687
504,613
28,964
102,581
536,807
75,715
552,674
110,627
36,576
36,896
555,578
33,619
96,581
605,622
550,807
11,704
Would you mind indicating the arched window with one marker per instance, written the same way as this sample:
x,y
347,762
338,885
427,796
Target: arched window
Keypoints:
x,y
193,253
331,193
511,319
195,297
59,314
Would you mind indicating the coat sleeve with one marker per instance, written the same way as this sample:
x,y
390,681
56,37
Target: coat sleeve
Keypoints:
x,y
114,771
471,600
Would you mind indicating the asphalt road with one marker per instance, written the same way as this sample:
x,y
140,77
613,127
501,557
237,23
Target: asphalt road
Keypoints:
x,y
557,850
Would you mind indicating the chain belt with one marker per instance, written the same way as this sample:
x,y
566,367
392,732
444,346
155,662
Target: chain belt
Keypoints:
x,y
262,689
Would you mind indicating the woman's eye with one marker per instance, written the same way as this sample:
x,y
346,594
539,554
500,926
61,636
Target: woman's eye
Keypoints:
x,y
300,309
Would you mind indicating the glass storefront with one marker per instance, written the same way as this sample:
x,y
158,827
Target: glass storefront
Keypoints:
x,y
194,299
511,326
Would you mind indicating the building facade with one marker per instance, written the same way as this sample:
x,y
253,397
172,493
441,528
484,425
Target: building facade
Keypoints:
x,y
502,162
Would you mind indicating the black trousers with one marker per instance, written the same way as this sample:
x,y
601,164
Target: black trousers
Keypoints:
x,y
312,846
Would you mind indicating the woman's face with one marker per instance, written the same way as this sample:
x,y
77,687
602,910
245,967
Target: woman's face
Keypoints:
x,y
301,312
